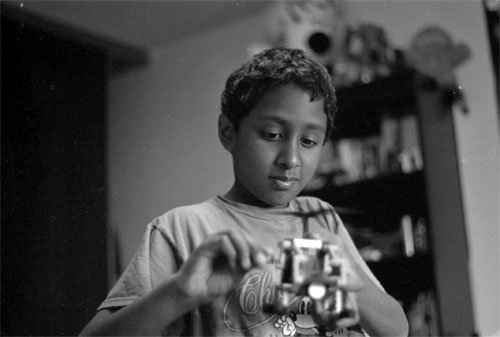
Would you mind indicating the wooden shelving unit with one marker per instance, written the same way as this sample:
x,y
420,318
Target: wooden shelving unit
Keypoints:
x,y
433,194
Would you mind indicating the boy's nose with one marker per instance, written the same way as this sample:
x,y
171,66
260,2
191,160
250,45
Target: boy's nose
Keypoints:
x,y
289,156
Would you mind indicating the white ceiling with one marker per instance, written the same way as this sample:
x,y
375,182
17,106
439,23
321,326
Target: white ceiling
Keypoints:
x,y
139,24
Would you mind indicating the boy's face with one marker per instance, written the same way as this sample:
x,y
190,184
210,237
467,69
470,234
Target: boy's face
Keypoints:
x,y
277,148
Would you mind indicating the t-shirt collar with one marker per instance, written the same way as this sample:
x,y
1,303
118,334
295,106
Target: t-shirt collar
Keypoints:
x,y
291,211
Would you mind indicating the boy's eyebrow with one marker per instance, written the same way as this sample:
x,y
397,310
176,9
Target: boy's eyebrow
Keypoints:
x,y
315,126
279,120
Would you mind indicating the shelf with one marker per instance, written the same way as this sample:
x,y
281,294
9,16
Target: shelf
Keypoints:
x,y
378,205
360,105
380,201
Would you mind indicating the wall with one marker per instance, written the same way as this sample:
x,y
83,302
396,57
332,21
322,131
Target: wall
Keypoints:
x,y
164,150
163,144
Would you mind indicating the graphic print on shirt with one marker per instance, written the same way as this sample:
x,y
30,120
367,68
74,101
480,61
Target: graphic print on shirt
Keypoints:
x,y
253,294
302,323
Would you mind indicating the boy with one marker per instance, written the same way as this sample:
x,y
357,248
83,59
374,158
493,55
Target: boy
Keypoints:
x,y
203,269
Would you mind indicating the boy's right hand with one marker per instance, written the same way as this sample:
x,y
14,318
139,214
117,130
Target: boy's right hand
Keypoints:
x,y
217,265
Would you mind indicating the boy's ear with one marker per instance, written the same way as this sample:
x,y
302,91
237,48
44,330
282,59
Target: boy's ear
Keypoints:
x,y
226,132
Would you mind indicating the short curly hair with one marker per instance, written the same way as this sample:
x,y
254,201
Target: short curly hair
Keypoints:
x,y
275,68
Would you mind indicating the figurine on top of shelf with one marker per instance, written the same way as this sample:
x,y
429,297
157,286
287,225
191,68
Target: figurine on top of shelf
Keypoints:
x,y
433,53
368,55
315,26
351,53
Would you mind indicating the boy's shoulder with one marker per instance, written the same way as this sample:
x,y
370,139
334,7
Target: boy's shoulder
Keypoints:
x,y
310,203
187,211
193,219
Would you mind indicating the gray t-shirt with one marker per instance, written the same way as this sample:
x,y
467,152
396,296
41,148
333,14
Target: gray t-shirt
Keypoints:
x,y
170,239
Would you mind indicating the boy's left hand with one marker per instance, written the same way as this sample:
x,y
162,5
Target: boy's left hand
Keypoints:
x,y
350,283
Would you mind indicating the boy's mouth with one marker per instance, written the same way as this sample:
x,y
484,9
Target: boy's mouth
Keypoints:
x,y
283,182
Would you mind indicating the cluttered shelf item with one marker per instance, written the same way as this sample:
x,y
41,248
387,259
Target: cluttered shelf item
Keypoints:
x,y
376,133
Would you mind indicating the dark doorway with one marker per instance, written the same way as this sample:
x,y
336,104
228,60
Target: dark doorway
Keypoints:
x,y
53,234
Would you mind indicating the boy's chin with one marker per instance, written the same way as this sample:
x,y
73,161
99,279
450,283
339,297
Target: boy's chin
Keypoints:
x,y
267,198
280,200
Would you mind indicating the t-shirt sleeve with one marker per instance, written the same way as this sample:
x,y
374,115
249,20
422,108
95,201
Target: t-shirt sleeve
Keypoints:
x,y
349,244
153,262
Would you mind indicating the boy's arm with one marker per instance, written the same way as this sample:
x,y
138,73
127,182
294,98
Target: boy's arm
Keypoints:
x,y
148,316
380,314
212,270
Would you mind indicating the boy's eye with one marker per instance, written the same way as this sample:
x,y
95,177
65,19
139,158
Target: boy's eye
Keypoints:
x,y
271,135
308,142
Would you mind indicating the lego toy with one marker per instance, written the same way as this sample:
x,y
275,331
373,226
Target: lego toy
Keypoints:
x,y
314,268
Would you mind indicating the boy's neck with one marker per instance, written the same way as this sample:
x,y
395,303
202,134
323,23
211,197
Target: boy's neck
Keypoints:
x,y
235,195
267,213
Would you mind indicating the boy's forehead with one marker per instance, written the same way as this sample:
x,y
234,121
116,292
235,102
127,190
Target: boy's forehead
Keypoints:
x,y
287,87
287,105
309,121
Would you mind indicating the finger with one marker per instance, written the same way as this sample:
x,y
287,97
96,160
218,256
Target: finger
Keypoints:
x,y
227,248
260,257
258,253
352,308
331,319
243,249
351,281
346,322
336,240
311,236
253,253
322,316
